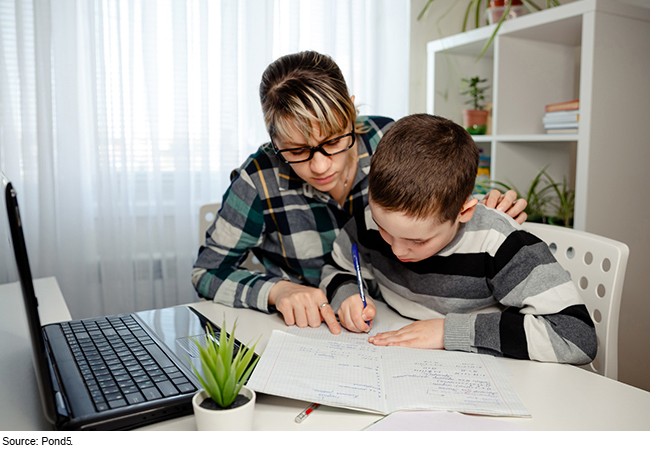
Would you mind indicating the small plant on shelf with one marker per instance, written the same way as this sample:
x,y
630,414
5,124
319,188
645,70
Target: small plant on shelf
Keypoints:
x,y
476,93
475,119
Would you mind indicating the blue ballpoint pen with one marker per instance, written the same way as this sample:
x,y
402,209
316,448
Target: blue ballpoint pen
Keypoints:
x,y
357,267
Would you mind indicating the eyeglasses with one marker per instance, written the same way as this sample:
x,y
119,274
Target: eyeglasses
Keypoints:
x,y
329,148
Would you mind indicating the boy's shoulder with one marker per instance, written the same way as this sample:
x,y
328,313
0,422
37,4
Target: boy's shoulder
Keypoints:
x,y
491,219
485,232
362,227
360,223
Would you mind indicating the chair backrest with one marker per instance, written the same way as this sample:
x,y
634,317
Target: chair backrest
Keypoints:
x,y
597,267
207,213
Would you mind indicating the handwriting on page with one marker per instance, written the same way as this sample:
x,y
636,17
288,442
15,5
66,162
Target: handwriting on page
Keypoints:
x,y
384,379
328,372
466,381
445,380
357,370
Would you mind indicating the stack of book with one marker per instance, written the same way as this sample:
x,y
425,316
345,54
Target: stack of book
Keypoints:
x,y
562,117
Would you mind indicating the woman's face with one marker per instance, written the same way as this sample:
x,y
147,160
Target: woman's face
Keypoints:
x,y
324,173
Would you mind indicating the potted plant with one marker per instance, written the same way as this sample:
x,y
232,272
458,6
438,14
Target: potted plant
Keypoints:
x,y
498,10
548,202
564,203
475,119
224,403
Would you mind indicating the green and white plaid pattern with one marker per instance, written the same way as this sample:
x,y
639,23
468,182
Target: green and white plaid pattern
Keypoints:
x,y
289,226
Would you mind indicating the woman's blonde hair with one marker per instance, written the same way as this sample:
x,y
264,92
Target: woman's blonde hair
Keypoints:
x,y
299,88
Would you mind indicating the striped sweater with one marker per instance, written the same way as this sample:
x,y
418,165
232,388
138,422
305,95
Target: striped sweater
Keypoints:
x,y
499,288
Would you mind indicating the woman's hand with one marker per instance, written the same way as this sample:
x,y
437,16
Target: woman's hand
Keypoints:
x,y
420,334
353,315
303,306
507,203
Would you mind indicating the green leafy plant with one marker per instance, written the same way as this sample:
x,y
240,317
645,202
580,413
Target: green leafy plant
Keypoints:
x,y
476,93
472,3
479,6
564,203
548,202
224,373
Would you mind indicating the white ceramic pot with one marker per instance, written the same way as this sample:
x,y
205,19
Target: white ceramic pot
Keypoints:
x,y
240,418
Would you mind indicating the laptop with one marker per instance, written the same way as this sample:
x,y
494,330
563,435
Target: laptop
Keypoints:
x,y
114,372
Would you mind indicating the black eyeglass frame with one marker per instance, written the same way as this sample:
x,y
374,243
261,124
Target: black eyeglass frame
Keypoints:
x,y
313,150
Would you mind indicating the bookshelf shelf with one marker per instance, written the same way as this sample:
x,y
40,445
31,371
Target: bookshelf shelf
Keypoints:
x,y
526,138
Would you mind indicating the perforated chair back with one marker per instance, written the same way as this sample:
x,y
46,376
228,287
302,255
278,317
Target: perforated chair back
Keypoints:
x,y
207,214
597,267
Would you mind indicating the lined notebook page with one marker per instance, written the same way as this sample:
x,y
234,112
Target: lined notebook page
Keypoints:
x,y
321,371
382,379
444,380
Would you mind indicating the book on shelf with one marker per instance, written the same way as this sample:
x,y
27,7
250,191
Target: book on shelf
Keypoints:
x,y
561,125
562,131
566,105
562,113
561,116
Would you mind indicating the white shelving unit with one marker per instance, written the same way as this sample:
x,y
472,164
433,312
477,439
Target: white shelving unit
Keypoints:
x,y
597,51
550,56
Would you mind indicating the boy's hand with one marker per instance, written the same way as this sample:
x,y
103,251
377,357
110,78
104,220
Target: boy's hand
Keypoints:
x,y
353,316
303,306
420,334
508,203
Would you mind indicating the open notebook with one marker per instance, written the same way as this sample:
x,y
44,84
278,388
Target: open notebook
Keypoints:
x,y
347,371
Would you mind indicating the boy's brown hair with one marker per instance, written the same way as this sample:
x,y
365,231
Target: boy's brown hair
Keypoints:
x,y
424,166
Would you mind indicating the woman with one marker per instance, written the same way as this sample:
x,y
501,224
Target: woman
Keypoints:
x,y
288,201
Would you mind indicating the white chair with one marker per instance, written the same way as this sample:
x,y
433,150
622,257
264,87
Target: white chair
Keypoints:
x,y
597,267
207,213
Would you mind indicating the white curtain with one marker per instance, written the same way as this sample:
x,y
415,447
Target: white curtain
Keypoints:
x,y
119,118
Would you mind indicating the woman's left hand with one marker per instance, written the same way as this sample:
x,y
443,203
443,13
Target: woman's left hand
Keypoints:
x,y
508,203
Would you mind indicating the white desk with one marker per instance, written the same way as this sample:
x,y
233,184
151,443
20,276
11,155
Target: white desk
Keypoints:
x,y
559,397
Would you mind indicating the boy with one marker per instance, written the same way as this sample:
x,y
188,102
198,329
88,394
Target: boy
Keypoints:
x,y
471,278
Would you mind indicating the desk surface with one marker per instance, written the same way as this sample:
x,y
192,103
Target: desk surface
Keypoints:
x,y
559,397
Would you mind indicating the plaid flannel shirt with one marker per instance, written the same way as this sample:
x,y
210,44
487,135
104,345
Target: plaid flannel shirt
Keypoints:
x,y
288,224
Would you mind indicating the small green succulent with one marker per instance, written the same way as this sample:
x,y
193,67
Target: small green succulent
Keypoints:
x,y
224,374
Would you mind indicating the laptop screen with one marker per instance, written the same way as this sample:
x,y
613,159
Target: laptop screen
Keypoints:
x,y
41,363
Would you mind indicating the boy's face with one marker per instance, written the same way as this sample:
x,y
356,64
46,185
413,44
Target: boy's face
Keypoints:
x,y
413,239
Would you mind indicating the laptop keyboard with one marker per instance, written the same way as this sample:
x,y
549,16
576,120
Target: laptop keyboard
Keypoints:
x,y
120,363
